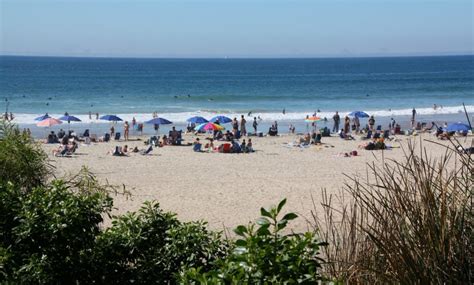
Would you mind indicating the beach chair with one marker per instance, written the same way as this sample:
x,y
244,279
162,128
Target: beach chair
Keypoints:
x,y
117,136
386,134
86,133
148,151
379,128
106,137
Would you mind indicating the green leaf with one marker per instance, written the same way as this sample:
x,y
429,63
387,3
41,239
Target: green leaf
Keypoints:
x,y
240,230
265,213
263,221
241,242
280,205
290,216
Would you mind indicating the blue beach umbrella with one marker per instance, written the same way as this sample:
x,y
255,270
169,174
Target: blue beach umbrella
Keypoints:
x,y
358,114
41,118
222,119
69,119
110,118
457,127
197,120
158,121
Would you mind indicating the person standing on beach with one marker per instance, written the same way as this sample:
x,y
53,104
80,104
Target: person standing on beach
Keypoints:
x,y
336,119
371,123
243,129
357,124
347,125
413,114
96,116
255,124
126,130
134,122
235,125
90,115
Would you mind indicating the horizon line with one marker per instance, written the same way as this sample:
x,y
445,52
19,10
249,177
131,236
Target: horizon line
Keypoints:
x,y
248,57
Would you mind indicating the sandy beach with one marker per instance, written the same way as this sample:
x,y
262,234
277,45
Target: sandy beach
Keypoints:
x,y
228,189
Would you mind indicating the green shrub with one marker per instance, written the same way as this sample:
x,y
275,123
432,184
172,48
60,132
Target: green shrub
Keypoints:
x,y
52,234
151,246
22,161
263,254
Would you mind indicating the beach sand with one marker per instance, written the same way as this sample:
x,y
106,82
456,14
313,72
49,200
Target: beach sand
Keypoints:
x,y
228,189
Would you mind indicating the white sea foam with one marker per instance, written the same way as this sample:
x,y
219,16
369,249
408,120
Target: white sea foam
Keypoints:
x,y
180,117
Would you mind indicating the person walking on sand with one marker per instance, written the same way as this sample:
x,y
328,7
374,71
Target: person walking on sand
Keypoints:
x,y
255,124
243,129
336,119
126,130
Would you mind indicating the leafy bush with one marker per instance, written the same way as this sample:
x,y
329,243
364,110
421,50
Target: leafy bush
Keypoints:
x,y
263,254
52,233
151,246
22,161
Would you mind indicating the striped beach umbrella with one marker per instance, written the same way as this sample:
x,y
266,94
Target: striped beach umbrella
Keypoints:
x,y
209,127
49,122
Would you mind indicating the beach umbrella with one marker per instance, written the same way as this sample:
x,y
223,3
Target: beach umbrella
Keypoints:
x,y
222,119
457,127
69,119
197,120
110,118
41,118
49,122
358,114
158,121
312,119
209,127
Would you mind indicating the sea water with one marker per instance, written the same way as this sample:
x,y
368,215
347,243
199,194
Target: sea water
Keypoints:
x,y
272,89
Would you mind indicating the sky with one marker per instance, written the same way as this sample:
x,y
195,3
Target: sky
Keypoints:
x,y
229,28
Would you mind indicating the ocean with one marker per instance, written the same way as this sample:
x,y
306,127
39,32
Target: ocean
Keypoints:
x,y
274,89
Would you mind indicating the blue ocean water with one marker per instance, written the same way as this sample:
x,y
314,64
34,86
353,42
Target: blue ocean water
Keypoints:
x,y
178,88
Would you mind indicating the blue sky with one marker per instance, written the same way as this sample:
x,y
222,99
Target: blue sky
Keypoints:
x,y
219,28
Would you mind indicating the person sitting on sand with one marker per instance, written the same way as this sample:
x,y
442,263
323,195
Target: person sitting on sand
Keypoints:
x,y
306,140
52,138
249,146
273,130
209,147
229,136
135,149
316,138
118,151
236,147
243,146
125,150
218,135
197,145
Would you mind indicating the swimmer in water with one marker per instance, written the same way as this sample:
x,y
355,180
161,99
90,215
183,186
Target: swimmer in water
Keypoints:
x,y
284,111
249,113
